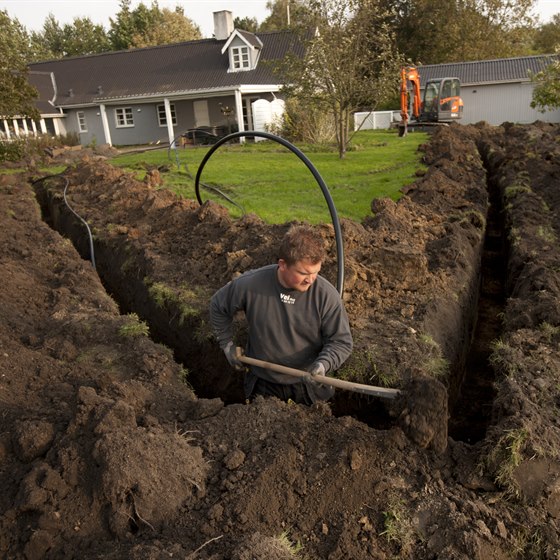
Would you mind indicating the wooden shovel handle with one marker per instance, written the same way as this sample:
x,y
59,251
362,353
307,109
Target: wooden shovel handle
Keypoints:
x,y
382,392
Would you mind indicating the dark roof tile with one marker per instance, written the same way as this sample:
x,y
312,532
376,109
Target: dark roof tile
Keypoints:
x,y
488,71
164,70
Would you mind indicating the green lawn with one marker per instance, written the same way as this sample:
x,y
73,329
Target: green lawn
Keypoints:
x,y
267,179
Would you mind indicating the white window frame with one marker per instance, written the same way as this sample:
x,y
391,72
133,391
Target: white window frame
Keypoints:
x,y
82,123
162,117
124,117
240,58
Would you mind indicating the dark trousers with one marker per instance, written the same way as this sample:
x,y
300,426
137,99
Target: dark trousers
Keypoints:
x,y
297,392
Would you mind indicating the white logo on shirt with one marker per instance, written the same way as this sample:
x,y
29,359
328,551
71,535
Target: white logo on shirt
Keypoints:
x,y
285,298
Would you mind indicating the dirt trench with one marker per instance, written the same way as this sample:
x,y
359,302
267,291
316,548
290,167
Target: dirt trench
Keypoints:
x,y
104,453
126,272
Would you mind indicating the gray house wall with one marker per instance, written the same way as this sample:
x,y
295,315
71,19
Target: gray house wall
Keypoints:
x,y
499,103
146,128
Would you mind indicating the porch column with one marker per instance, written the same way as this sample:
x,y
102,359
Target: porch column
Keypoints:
x,y
56,127
239,113
105,121
16,127
34,126
43,125
169,121
25,128
7,129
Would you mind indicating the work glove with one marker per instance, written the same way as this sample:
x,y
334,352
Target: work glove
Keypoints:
x,y
317,391
230,353
316,368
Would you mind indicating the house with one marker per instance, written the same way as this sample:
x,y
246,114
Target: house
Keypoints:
x,y
495,91
155,94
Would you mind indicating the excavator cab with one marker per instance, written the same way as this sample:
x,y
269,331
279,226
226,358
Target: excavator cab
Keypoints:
x,y
442,101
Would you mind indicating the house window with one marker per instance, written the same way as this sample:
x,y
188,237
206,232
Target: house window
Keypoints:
x,y
162,119
124,117
82,124
240,58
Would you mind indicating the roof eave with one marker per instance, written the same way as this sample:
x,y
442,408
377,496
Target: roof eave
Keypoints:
x,y
184,94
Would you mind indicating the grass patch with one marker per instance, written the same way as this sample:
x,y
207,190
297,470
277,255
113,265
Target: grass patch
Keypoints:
x,y
267,179
181,301
507,455
398,526
285,544
503,358
133,327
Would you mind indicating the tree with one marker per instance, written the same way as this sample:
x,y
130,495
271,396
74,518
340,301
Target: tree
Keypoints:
x,y
435,32
81,37
247,24
349,64
150,26
547,36
285,14
546,95
17,96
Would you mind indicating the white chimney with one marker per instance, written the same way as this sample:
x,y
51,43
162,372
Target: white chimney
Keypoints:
x,y
223,24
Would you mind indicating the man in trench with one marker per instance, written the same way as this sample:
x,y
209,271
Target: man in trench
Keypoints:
x,y
295,317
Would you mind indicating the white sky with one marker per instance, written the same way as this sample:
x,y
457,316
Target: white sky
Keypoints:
x,y
32,13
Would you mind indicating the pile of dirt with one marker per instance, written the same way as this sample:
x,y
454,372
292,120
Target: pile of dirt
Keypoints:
x,y
105,452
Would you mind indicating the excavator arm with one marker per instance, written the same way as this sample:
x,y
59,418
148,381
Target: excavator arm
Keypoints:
x,y
409,75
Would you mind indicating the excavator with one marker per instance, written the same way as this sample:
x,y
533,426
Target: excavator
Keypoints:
x,y
441,105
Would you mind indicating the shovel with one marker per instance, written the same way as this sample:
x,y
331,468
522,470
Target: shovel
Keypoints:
x,y
382,392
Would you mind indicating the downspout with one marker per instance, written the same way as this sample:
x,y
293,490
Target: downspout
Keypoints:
x,y
105,121
239,113
169,120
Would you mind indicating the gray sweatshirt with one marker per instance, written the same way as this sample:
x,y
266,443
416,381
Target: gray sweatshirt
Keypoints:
x,y
286,327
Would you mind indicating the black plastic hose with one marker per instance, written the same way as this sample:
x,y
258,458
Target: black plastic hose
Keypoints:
x,y
310,166
67,184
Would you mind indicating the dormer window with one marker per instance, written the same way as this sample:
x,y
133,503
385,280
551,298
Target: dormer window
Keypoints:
x,y
240,58
243,49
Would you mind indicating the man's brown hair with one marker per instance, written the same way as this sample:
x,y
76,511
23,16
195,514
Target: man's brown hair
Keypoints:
x,y
302,242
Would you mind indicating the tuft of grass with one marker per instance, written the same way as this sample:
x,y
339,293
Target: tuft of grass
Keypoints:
x,y
363,367
184,376
549,331
398,526
503,359
514,236
507,455
165,296
434,365
546,233
134,327
473,217
515,190
287,545
529,543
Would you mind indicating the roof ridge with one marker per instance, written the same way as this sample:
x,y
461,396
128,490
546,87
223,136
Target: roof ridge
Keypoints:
x,y
532,56
122,51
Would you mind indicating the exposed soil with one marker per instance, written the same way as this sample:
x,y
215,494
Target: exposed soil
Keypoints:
x,y
453,295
